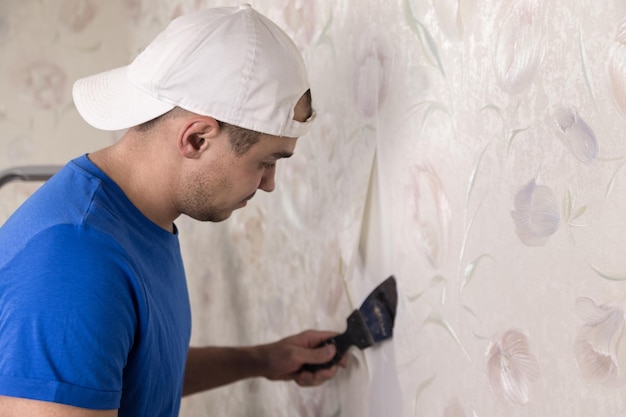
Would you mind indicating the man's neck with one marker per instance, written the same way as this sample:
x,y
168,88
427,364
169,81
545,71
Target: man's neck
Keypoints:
x,y
136,172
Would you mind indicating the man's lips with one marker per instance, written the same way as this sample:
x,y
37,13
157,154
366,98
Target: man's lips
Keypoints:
x,y
243,202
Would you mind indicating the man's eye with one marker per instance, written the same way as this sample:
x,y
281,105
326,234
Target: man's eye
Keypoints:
x,y
269,165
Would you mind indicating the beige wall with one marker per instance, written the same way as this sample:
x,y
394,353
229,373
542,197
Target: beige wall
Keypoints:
x,y
485,140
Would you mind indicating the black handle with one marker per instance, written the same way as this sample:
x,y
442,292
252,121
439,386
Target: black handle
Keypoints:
x,y
356,334
342,343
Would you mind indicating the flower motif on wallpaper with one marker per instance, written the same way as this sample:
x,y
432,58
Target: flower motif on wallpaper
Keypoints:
x,y
330,285
426,39
577,135
511,367
43,83
536,215
616,67
77,14
454,409
20,147
321,402
302,20
371,73
134,8
519,43
247,231
598,341
448,17
431,213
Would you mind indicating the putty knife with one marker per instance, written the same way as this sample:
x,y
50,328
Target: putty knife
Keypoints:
x,y
371,323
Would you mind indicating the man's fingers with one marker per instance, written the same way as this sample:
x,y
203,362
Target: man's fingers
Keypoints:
x,y
326,353
309,379
319,355
344,361
314,338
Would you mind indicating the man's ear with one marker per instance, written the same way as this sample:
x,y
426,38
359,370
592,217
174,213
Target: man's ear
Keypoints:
x,y
195,136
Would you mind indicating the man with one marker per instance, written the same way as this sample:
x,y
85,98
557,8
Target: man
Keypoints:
x,y
94,310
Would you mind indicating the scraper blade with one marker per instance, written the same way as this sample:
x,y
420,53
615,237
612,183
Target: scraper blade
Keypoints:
x,y
370,324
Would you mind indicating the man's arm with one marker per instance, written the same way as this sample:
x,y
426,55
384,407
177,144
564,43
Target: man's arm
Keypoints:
x,y
211,367
20,407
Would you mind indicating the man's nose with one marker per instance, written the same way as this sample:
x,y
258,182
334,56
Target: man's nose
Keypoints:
x,y
267,183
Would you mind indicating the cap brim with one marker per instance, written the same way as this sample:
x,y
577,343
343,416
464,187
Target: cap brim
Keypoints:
x,y
109,101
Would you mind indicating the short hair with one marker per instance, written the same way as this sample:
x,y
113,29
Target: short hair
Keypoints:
x,y
241,139
151,124
308,104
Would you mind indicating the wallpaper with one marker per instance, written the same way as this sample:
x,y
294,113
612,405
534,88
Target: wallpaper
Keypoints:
x,y
472,149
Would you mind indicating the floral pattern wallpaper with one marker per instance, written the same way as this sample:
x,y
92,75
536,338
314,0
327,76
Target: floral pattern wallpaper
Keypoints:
x,y
473,149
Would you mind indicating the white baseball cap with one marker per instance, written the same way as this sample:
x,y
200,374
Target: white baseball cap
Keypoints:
x,y
229,63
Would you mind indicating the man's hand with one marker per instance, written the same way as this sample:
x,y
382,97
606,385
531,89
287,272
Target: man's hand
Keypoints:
x,y
284,359
212,366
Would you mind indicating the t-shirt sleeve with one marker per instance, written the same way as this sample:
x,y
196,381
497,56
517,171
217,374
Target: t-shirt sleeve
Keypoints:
x,y
67,319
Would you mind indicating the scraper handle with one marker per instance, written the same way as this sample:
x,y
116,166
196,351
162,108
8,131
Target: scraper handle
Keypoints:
x,y
357,334
342,343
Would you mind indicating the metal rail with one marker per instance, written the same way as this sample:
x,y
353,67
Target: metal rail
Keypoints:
x,y
28,173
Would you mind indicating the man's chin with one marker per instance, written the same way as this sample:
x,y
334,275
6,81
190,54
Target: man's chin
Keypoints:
x,y
222,217
214,217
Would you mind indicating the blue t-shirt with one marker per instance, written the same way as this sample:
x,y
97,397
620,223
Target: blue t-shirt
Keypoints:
x,y
94,308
